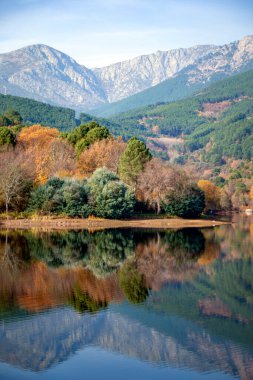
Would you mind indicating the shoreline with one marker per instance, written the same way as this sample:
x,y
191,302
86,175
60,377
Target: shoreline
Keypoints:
x,y
93,224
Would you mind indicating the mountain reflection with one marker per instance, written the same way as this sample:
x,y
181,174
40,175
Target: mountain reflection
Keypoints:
x,y
179,298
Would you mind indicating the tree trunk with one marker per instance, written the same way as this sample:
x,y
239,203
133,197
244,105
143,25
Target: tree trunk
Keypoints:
x,y
6,207
158,207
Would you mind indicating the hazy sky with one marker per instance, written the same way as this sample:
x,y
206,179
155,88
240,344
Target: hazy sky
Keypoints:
x,y
100,32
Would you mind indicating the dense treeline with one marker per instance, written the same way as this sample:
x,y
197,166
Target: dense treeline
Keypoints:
x,y
89,172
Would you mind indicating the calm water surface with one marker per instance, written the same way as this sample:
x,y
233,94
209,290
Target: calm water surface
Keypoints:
x,y
127,304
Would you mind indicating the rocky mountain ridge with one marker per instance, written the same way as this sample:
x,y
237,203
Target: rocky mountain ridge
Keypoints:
x,y
44,73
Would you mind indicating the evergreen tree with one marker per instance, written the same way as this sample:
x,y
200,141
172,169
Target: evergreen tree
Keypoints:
x,y
132,283
13,116
4,121
7,136
132,161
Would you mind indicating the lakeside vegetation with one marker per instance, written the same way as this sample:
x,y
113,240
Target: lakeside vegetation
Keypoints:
x,y
45,172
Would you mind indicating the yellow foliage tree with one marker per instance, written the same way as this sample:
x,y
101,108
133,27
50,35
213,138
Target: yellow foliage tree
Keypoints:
x,y
212,194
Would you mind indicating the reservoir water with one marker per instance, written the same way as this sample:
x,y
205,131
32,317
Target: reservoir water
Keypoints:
x,y
127,304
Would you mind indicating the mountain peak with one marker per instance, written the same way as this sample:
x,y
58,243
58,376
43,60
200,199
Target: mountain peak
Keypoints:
x,y
32,48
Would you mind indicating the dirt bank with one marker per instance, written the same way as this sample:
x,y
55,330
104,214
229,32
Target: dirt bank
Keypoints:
x,y
69,224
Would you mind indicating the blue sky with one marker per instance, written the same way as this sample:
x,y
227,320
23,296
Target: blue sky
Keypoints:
x,y
100,32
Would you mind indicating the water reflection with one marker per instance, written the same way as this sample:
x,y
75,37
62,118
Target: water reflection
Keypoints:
x,y
177,298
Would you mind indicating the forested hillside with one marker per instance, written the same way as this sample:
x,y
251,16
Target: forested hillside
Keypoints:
x,y
34,112
221,114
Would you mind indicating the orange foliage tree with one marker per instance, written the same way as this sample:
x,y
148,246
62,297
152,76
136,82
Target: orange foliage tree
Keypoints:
x,y
251,194
103,153
44,152
212,194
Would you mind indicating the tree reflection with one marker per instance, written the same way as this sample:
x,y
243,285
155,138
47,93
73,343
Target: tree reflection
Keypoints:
x,y
186,244
82,302
59,248
108,250
102,251
89,270
170,256
132,283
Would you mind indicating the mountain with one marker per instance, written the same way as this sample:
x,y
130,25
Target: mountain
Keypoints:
x,y
218,120
43,73
171,75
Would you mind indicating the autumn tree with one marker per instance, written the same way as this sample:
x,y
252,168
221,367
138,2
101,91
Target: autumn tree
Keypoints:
x,y
155,182
133,160
103,153
62,159
251,194
225,200
212,195
45,153
12,179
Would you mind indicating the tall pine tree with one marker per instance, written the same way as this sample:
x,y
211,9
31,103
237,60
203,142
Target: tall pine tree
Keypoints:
x,y
132,161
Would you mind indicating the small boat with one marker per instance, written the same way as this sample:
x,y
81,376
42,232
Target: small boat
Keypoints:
x,y
249,211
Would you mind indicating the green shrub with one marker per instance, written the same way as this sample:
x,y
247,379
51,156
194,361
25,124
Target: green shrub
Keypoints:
x,y
58,196
189,202
110,197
